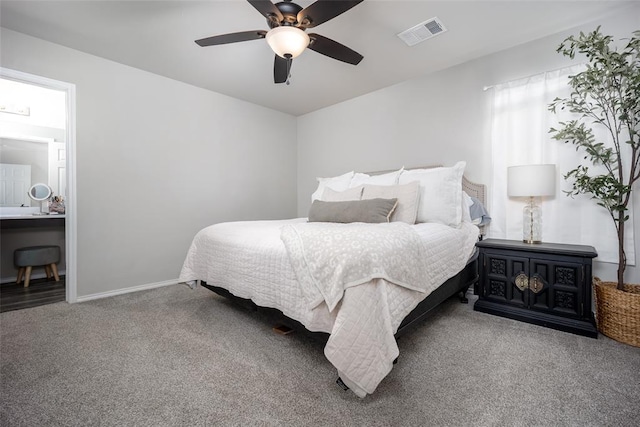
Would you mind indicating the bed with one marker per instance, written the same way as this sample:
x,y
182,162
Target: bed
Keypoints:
x,y
291,266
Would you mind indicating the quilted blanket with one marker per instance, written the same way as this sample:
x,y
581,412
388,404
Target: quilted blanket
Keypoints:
x,y
251,261
329,258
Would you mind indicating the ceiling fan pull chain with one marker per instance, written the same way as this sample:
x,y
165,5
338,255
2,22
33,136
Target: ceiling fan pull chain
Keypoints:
x,y
289,59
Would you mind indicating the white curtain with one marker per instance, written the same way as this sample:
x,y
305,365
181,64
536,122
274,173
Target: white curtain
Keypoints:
x,y
520,136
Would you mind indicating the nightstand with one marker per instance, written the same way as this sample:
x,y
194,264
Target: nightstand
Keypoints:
x,y
547,284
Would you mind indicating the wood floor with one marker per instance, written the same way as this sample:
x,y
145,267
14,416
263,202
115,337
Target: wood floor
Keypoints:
x,y
39,292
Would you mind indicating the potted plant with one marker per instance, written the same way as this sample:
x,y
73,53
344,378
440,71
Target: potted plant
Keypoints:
x,y
607,94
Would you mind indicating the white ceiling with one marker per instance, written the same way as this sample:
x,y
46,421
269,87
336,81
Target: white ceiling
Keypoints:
x,y
158,36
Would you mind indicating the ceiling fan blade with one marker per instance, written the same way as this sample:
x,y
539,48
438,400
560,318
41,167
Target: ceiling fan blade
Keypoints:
x,y
281,69
266,8
232,38
322,11
333,49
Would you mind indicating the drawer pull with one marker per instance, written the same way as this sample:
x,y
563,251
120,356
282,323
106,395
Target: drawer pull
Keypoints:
x,y
536,284
522,281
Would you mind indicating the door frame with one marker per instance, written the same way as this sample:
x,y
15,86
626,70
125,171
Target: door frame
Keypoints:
x,y
70,229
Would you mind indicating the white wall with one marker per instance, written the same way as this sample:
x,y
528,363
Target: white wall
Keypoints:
x,y
437,119
157,160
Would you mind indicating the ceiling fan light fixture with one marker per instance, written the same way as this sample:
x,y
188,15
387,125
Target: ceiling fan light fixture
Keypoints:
x,y
287,40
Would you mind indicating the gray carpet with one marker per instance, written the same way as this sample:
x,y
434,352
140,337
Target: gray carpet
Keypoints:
x,y
175,356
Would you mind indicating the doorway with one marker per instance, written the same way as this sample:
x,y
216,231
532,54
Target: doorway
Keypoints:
x,y
65,173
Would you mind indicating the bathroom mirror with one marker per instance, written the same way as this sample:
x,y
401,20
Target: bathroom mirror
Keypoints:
x,y
26,161
40,192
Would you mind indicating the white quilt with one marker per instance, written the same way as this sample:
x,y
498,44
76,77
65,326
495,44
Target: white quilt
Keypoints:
x,y
250,260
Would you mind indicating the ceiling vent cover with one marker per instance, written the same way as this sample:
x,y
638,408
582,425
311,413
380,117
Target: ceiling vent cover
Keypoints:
x,y
423,31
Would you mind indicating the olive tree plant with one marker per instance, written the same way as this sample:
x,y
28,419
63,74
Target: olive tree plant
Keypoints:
x,y
606,94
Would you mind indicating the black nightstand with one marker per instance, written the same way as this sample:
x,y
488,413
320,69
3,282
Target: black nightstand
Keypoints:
x,y
546,284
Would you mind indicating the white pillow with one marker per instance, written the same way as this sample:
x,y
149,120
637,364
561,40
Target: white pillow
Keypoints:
x,y
466,206
408,196
390,178
467,199
350,194
338,183
440,193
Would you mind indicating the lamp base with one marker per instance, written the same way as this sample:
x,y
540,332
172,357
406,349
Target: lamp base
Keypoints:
x,y
532,222
532,242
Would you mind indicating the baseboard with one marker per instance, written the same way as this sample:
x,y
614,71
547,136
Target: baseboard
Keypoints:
x,y
126,290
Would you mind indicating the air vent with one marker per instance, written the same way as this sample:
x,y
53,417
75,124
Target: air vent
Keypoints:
x,y
423,31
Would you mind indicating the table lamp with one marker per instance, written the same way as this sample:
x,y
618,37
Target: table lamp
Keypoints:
x,y
531,181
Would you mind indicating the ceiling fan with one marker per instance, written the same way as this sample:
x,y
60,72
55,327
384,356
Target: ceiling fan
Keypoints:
x,y
287,37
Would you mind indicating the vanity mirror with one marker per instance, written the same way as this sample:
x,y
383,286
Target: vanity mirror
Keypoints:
x,y
40,192
27,160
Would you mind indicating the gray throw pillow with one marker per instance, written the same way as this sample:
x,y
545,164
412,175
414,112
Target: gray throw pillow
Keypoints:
x,y
371,211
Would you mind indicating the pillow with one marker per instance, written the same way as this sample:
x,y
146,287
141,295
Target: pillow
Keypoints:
x,y
408,196
440,193
330,195
467,199
466,206
390,178
371,211
338,183
478,212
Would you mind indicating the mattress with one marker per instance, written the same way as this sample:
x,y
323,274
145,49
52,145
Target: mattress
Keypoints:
x,y
250,260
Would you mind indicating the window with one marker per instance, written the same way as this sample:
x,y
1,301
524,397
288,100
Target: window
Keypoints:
x,y
520,135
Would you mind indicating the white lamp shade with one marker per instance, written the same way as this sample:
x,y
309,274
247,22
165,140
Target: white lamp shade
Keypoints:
x,y
531,180
287,41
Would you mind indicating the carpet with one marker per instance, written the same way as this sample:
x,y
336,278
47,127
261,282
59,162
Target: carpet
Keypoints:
x,y
174,356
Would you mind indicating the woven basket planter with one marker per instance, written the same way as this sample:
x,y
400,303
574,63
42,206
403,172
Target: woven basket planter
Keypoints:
x,y
618,312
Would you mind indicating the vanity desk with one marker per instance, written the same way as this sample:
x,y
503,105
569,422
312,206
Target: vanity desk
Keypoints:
x,y
24,229
31,221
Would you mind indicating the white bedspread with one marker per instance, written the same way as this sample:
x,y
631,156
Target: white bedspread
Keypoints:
x,y
250,260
